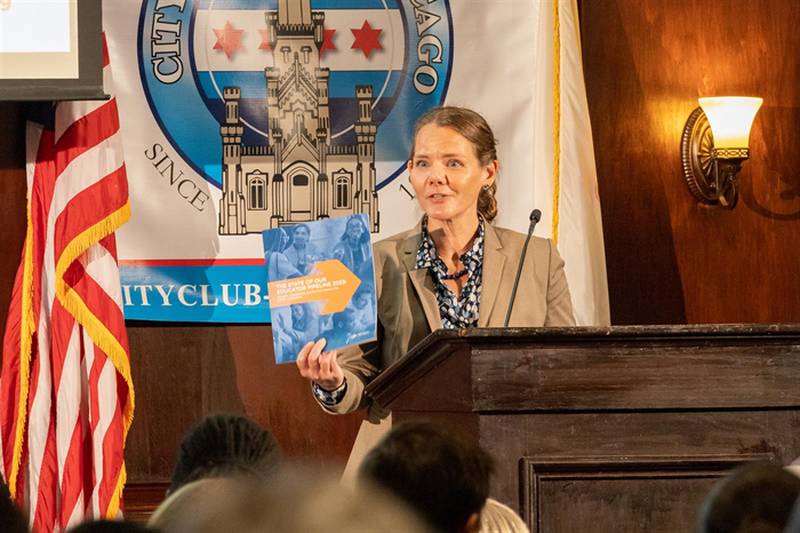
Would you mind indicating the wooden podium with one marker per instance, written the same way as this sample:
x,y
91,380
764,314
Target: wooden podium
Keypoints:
x,y
608,429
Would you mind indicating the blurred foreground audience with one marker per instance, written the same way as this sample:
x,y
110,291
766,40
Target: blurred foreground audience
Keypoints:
x,y
11,518
422,477
290,503
226,445
436,470
500,518
756,498
794,520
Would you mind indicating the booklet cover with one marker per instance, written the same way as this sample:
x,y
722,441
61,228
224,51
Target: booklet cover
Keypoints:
x,y
320,283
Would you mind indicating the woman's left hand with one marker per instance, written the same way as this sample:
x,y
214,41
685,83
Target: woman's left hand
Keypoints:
x,y
320,367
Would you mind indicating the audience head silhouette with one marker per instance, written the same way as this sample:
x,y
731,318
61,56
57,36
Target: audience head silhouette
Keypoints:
x,y
226,445
11,518
755,498
436,470
794,521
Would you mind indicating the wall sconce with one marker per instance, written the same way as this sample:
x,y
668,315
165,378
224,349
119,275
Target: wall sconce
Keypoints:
x,y
715,141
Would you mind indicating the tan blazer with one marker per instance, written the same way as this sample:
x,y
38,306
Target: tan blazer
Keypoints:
x,y
408,310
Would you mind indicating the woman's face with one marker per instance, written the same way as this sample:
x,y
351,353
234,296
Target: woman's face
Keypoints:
x,y
298,312
300,236
446,174
355,229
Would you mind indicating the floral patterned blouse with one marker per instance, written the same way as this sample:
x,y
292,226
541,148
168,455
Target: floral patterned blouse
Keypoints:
x,y
455,311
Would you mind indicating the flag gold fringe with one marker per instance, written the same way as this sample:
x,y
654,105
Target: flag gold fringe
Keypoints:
x,y
98,331
556,117
26,329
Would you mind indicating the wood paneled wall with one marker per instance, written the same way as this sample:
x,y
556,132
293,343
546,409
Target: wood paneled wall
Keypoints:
x,y
12,197
669,259
182,373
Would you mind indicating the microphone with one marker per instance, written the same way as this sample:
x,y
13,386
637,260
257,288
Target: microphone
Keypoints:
x,y
535,216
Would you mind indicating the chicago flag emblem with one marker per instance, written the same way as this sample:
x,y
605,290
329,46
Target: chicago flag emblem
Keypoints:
x,y
295,109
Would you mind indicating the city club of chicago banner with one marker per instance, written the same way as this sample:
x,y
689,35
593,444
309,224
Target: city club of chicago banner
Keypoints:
x,y
239,116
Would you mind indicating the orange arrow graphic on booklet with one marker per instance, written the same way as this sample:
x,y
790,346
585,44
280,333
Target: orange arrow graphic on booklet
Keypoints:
x,y
331,283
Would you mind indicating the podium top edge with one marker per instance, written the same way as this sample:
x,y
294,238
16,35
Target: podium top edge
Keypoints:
x,y
674,331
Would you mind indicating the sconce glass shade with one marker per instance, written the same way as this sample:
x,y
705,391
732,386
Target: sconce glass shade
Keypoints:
x,y
731,118
714,144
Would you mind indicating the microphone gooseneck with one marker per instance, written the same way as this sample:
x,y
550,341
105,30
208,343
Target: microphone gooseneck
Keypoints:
x,y
536,215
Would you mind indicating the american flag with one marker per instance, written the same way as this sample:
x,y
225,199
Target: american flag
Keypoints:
x,y
66,395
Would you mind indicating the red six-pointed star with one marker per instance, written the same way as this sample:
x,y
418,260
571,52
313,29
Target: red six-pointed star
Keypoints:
x,y
367,39
327,42
229,39
264,40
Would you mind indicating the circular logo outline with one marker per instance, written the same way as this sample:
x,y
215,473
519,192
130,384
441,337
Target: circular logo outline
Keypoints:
x,y
406,84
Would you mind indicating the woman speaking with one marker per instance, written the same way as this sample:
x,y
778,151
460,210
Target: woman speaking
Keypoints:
x,y
453,270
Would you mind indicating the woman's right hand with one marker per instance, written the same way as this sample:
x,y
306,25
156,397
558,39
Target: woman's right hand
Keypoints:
x,y
320,367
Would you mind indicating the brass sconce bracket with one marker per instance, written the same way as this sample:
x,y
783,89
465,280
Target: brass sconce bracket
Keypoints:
x,y
710,173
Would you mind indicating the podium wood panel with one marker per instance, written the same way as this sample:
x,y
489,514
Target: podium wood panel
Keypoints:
x,y
655,494
653,415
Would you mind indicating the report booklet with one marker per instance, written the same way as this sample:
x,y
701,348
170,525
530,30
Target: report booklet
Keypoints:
x,y
320,283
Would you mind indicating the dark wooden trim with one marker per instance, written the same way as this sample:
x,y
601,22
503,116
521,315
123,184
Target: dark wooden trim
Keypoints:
x,y
537,470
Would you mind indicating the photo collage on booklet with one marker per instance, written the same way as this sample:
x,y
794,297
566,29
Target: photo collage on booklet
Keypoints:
x,y
320,283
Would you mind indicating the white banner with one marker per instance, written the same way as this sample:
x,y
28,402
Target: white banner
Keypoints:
x,y
242,115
